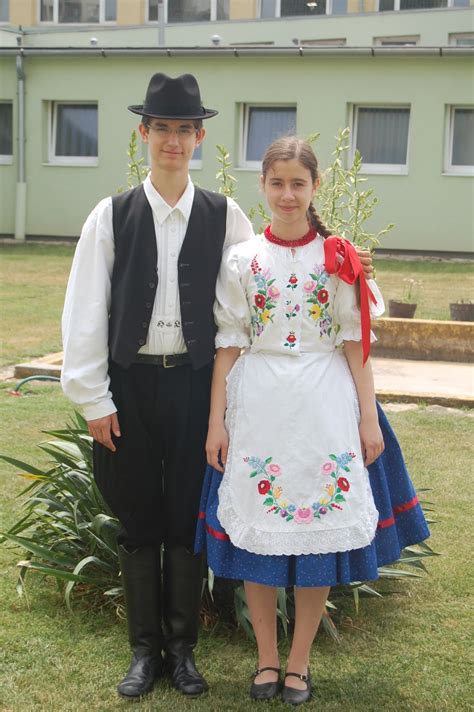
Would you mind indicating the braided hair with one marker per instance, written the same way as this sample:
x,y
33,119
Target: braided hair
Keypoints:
x,y
286,149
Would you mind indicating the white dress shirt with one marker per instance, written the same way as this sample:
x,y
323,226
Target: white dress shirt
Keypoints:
x,y
85,319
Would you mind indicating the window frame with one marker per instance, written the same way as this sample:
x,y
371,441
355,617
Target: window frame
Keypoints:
x,y
454,36
398,41
6,159
55,20
449,168
54,160
379,168
396,7
244,124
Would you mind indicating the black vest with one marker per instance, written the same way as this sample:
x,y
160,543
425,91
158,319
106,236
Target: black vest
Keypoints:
x,y
134,276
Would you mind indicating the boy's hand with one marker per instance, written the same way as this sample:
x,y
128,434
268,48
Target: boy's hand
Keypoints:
x,y
102,429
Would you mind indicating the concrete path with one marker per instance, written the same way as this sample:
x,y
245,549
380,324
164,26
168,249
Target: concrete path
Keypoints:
x,y
396,380
441,382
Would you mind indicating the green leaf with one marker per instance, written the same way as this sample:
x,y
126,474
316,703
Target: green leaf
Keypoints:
x,y
268,460
339,498
268,500
22,465
253,474
333,457
41,551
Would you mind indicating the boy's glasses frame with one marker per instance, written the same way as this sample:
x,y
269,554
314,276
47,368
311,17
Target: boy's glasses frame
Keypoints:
x,y
182,132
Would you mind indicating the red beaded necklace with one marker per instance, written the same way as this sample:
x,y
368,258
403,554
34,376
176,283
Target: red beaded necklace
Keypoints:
x,y
309,237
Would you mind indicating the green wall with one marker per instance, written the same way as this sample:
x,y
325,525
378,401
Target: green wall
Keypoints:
x,y
431,211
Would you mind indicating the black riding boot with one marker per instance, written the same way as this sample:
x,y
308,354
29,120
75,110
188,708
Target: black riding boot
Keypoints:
x,y
182,586
141,580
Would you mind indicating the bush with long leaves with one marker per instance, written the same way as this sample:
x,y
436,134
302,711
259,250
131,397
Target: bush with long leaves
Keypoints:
x,y
68,533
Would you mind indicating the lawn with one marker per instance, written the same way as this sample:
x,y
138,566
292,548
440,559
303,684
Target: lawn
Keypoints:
x,y
33,279
407,652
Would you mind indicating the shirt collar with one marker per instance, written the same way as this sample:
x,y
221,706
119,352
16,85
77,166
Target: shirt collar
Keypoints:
x,y
160,207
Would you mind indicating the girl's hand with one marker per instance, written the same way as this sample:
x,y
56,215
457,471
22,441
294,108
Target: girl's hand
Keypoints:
x,y
217,442
371,440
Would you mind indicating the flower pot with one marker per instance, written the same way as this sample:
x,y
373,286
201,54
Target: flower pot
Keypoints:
x,y
401,310
461,312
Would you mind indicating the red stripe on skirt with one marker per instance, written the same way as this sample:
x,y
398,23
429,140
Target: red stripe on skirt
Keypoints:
x,y
390,521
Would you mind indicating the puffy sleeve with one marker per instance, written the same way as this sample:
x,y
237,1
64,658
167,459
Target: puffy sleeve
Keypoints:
x,y
231,310
347,312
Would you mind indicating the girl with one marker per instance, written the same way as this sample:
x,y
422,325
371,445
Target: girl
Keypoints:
x,y
294,425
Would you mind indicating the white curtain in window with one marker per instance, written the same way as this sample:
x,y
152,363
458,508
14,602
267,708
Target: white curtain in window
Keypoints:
x,y
6,129
267,8
197,155
463,137
110,13
4,11
47,10
382,135
76,130
265,124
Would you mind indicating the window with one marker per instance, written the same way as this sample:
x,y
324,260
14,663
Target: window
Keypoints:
x,y
4,10
73,133
381,136
462,39
78,11
289,8
460,143
190,10
390,5
196,160
402,41
335,42
6,131
261,126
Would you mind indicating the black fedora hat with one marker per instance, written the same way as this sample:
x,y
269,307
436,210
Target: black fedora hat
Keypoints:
x,y
168,98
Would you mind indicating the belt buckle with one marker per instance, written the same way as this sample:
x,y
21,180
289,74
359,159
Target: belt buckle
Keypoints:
x,y
167,365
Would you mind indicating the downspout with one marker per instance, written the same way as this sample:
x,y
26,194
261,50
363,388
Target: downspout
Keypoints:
x,y
20,210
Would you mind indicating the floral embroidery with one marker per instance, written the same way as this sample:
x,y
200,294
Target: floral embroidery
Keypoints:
x,y
265,299
329,501
318,300
291,309
292,281
290,340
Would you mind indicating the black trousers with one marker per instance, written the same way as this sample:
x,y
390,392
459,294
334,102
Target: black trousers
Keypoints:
x,y
152,483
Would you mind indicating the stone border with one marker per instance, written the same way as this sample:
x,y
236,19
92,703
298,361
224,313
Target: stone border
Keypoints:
x,y
424,339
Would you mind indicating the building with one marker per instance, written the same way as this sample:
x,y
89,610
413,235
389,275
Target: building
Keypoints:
x,y
398,72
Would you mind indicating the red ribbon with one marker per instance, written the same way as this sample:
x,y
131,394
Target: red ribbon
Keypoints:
x,y
341,258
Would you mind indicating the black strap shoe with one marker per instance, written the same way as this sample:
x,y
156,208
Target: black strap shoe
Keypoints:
x,y
265,690
183,672
293,696
141,676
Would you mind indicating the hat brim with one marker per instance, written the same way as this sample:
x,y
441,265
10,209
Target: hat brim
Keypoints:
x,y
208,114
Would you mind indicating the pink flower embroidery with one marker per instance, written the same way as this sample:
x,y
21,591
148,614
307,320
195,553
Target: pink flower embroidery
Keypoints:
x,y
274,292
274,469
303,515
328,467
309,286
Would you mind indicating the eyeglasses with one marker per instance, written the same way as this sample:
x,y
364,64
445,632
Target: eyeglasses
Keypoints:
x,y
181,132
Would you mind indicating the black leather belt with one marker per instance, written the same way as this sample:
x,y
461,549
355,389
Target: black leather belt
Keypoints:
x,y
163,360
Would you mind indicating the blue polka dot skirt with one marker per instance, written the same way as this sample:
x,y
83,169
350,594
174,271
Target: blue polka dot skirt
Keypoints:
x,y
401,523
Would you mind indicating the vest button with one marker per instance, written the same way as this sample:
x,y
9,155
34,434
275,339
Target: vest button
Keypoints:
x,y
148,305
141,341
144,324
184,264
151,284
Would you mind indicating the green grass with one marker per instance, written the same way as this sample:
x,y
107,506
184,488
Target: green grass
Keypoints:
x,y
408,652
441,284
33,279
